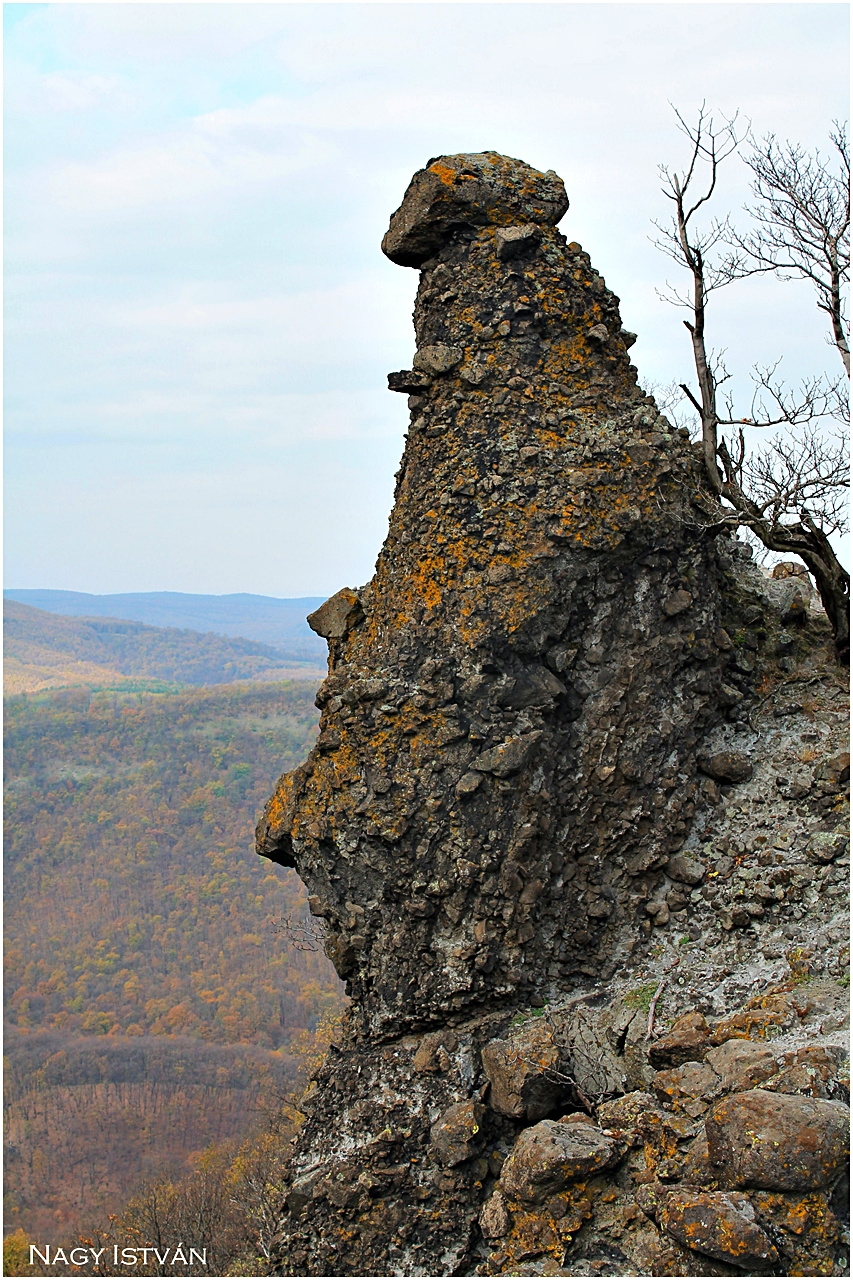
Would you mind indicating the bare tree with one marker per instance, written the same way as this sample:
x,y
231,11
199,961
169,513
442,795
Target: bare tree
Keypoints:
x,y
802,216
790,495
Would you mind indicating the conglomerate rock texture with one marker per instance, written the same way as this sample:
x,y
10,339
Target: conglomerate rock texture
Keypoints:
x,y
513,701
510,756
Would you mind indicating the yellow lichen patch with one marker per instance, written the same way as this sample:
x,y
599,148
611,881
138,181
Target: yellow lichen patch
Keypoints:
x,y
444,173
546,1231
278,813
810,1224
660,1141
756,1024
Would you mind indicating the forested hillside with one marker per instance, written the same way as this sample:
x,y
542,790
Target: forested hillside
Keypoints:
x,y
136,909
44,650
87,1118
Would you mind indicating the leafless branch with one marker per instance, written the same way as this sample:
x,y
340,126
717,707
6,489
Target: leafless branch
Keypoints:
x,y
775,404
801,212
303,935
791,495
801,471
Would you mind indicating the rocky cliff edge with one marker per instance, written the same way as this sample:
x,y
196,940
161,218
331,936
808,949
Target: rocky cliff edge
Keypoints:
x,y
580,776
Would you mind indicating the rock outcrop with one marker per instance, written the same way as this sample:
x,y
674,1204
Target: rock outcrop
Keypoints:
x,y
528,717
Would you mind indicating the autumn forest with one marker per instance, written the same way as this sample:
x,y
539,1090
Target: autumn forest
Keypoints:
x,y
162,992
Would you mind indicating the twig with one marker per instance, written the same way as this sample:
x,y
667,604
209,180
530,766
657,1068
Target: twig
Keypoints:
x,y
804,680
653,1006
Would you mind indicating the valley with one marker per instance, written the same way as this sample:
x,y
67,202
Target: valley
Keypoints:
x,y
155,1001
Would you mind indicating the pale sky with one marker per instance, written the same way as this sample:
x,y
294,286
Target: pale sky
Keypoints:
x,y
198,317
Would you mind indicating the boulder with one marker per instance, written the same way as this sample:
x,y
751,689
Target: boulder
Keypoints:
x,y
550,1155
523,1072
687,1040
720,1224
690,1082
697,1169
812,1071
628,1116
461,193
778,1142
740,1064
587,1051
337,616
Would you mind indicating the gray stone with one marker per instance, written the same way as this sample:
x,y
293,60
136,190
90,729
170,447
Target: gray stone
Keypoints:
x,y
437,358
512,241
687,870
677,603
826,846
302,1190
509,757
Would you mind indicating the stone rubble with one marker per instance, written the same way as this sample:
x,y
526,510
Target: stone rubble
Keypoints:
x,y
574,818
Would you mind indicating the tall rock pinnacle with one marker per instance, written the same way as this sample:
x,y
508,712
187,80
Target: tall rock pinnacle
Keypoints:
x,y
487,772
510,718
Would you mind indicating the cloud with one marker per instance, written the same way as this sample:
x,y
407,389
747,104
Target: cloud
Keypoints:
x,y
220,151
73,92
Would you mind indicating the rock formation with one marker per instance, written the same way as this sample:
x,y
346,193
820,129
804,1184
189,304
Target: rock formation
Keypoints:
x,y
516,745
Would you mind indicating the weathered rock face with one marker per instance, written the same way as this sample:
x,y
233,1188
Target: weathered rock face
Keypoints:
x,y
538,765
490,772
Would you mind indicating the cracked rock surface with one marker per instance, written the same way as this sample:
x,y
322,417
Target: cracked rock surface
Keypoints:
x,y
557,759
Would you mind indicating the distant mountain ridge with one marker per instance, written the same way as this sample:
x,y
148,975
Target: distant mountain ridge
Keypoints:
x,y
265,619
43,650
